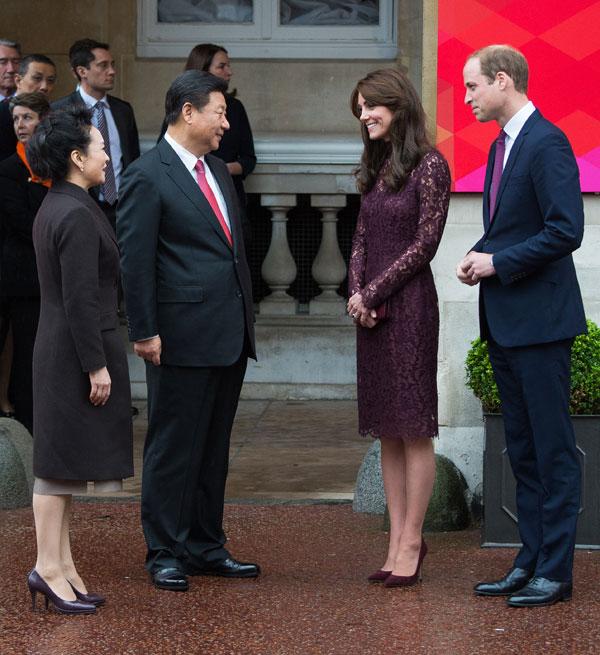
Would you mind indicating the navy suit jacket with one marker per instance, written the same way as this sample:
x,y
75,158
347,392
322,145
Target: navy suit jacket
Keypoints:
x,y
181,278
538,222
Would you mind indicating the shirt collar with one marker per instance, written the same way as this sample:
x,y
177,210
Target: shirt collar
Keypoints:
x,y
515,124
89,100
188,158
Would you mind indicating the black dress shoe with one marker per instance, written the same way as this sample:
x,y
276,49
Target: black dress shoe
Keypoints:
x,y
230,568
540,592
170,578
514,580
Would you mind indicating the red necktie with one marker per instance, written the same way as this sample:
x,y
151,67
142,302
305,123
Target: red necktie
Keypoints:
x,y
210,196
497,171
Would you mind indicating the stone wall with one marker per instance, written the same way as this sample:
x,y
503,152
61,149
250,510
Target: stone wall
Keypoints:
x,y
279,95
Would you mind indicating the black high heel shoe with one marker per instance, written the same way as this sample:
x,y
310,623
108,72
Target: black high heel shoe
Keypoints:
x,y
92,598
408,580
36,583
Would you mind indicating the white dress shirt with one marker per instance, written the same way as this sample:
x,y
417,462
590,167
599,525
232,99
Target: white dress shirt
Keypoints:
x,y
514,126
189,160
116,153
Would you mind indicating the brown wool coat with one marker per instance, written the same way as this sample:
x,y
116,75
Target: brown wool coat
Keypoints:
x,y
78,266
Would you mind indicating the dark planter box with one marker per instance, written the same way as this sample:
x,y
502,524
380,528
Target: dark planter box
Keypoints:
x,y
499,507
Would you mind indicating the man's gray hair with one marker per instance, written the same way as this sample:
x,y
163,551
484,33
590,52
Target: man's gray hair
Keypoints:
x,y
7,43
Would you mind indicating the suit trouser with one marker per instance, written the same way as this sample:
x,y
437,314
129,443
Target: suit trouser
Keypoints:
x,y
534,386
186,457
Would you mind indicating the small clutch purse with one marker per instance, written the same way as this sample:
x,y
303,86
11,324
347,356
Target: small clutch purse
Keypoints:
x,y
383,311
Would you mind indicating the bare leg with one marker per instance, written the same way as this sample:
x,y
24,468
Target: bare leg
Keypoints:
x,y
49,512
5,369
393,470
420,476
68,565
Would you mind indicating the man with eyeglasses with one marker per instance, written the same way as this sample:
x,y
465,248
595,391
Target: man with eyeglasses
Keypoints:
x,y
10,57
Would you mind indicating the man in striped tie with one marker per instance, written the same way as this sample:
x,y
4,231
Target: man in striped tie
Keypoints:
x,y
93,65
189,307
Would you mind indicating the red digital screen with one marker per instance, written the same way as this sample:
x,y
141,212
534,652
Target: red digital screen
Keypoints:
x,y
560,39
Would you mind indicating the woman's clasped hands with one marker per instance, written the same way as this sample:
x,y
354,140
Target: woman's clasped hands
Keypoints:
x,y
362,315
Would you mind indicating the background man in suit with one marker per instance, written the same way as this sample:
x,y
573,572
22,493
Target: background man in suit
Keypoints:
x,y
10,56
530,310
94,67
36,73
189,304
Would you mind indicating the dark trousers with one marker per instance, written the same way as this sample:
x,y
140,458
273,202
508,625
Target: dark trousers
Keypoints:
x,y
23,316
186,457
534,386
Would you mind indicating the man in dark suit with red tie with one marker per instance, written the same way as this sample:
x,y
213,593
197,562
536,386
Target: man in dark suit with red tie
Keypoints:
x,y
189,304
530,310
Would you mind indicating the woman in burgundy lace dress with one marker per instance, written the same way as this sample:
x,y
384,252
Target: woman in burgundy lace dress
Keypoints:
x,y
405,186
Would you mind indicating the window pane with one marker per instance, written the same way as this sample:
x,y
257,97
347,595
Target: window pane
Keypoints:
x,y
329,12
205,11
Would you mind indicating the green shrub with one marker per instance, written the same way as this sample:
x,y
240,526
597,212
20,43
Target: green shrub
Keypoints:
x,y
585,374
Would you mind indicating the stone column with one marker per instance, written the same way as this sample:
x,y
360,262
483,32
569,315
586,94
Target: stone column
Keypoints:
x,y
329,268
279,268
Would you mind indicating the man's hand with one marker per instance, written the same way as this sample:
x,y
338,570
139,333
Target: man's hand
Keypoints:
x,y
149,349
475,266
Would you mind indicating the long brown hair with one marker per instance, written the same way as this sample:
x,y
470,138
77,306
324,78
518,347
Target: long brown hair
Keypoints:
x,y
201,56
408,140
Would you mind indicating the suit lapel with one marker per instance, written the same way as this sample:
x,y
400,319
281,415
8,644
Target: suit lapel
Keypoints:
x,y
486,187
232,212
182,178
510,163
120,122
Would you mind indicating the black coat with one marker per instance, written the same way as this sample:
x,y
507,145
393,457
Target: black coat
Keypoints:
x,y
20,200
182,280
78,265
8,138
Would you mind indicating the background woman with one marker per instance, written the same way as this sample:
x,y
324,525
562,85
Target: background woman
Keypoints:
x,y
21,194
82,418
405,186
237,145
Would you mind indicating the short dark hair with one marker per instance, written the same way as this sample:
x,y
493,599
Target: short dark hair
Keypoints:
x,y
37,58
36,101
505,58
55,138
80,53
194,87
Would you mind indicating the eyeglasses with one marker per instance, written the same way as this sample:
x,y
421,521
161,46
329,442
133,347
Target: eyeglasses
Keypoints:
x,y
13,60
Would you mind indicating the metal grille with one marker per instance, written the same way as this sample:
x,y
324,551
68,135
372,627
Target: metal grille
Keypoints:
x,y
304,235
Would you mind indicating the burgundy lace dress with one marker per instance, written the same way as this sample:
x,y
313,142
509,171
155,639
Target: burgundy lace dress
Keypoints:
x,y
396,237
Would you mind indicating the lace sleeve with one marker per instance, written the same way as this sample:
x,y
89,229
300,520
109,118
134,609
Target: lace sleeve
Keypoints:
x,y
433,187
356,268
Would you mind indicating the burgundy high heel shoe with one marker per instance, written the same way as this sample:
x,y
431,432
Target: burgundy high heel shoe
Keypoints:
x,y
408,580
379,576
91,598
36,583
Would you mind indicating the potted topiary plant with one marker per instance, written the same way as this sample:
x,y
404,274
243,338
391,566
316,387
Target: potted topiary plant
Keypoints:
x,y
500,519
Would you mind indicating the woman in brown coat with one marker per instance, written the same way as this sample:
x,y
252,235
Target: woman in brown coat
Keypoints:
x,y
81,416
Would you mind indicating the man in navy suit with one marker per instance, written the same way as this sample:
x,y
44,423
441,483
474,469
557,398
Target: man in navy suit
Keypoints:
x,y
530,310
189,307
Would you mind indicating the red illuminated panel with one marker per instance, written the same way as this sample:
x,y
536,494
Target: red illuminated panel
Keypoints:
x,y
560,41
